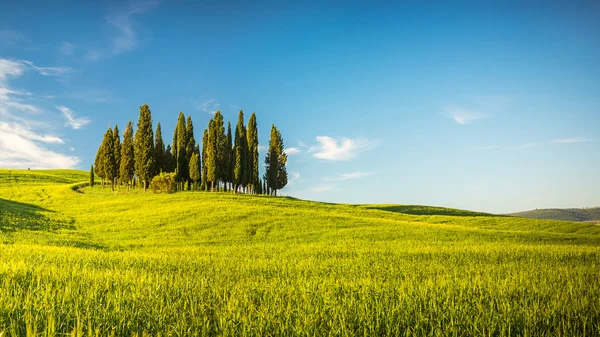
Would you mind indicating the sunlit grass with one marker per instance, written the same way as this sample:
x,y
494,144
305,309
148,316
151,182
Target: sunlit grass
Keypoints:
x,y
193,263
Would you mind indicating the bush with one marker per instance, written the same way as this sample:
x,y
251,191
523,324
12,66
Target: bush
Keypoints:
x,y
165,182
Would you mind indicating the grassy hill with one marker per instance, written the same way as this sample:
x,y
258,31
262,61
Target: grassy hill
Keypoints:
x,y
565,214
97,262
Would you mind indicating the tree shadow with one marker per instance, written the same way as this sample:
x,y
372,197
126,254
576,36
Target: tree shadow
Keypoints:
x,y
430,210
15,216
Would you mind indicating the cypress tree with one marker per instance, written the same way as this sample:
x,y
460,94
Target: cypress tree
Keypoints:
x,y
230,158
240,173
92,175
275,160
204,184
190,145
99,161
195,168
108,160
221,147
159,151
117,151
168,160
144,147
211,155
253,160
180,151
127,166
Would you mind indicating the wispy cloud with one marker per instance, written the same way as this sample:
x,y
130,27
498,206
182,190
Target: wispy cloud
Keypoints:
x,y
463,116
126,37
22,145
290,151
323,188
67,48
341,149
570,140
207,105
72,121
93,96
18,149
50,71
348,176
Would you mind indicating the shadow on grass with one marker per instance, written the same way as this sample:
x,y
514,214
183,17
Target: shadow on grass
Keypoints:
x,y
429,210
15,216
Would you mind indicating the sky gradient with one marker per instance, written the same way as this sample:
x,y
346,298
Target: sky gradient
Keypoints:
x,y
490,107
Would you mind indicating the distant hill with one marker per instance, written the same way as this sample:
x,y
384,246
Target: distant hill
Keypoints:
x,y
565,214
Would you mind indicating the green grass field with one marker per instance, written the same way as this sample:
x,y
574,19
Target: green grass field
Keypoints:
x,y
89,261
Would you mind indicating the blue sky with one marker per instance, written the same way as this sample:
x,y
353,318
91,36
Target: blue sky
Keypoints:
x,y
492,107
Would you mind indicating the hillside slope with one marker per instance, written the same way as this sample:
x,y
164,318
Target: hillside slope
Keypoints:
x,y
197,263
565,214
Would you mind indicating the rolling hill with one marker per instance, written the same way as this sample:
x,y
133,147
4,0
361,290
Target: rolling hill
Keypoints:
x,y
565,214
90,261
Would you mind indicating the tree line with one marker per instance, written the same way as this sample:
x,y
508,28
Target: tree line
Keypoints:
x,y
226,162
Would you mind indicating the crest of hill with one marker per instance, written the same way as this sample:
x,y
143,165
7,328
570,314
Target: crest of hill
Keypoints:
x,y
565,214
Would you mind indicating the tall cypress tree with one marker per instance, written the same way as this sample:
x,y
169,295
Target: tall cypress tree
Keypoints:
x,y
168,160
253,160
221,147
204,184
127,166
144,147
190,145
110,167
195,168
92,175
212,172
230,162
275,160
99,161
159,151
180,153
117,151
241,150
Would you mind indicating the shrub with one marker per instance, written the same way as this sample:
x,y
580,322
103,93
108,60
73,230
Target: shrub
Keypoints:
x,y
165,182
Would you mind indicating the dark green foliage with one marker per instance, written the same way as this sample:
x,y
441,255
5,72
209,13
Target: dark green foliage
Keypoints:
x,y
211,155
240,170
159,151
99,161
195,173
230,156
221,147
253,160
164,182
169,160
92,175
190,146
144,147
275,160
204,184
180,150
127,159
108,158
117,150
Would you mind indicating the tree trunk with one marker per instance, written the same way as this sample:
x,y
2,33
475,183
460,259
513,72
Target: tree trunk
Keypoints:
x,y
144,185
275,192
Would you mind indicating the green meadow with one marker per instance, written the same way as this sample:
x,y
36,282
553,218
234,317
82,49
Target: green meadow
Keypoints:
x,y
82,261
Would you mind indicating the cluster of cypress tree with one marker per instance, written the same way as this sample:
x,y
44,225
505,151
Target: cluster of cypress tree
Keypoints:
x,y
226,162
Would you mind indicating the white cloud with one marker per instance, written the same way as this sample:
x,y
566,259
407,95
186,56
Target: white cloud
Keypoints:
x,y
10,68
67,48
10,38
348,176
72,121
463,116
323,188
93,95
122,21
570,140
49,71
292,151
340,149
262,148
207,105
18,149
